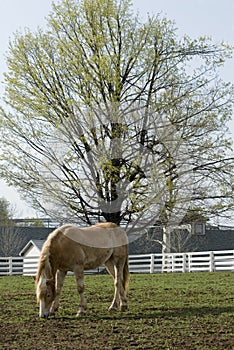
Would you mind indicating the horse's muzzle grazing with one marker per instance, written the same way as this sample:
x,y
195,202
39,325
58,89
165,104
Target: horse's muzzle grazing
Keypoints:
x,y
43,313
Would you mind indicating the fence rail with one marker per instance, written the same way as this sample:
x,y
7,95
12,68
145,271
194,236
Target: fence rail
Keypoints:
x,y
146,263
11,266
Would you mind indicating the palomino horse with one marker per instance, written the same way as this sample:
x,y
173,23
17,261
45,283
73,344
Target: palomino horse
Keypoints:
x,y
70,248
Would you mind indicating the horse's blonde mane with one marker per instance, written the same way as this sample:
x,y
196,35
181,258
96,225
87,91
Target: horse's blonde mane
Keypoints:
x,y
44,263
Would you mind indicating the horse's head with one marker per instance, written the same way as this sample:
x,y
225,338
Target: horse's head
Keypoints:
x,y
45,291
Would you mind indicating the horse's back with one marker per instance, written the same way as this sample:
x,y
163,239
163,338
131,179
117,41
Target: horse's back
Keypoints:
x,y
103,235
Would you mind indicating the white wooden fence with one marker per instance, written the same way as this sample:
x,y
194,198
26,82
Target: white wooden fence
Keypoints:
x,y
183,262
147,263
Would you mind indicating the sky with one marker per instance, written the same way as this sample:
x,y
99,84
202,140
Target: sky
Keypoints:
x,y
213,18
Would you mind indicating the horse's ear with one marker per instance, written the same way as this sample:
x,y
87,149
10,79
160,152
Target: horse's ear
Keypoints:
x,y
34,278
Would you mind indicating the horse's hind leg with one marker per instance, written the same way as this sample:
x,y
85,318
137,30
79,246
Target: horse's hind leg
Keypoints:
x,y
112,271
121,287
80,287
123,297
116,270
59,279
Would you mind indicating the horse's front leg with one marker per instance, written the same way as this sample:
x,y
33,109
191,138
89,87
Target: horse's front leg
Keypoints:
x,y
59,279
80,288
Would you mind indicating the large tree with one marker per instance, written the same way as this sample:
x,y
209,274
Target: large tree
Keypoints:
x,y
112,118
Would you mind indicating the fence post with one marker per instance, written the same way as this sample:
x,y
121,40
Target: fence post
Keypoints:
x,y
10,266
151,263
212,262
233,261
184,262
172,263
163,262
189,262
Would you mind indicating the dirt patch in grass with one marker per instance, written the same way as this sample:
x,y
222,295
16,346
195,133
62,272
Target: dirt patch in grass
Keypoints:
x,y
176,311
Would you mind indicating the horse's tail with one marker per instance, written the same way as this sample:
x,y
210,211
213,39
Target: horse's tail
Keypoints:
x,y
125,275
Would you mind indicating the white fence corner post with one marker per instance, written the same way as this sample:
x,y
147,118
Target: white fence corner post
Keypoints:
x,y
212,262
151,263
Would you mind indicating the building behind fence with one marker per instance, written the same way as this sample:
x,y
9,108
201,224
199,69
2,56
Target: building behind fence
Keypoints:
x,y
209,261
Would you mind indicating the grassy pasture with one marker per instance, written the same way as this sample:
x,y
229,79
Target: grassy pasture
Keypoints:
x,y
166,311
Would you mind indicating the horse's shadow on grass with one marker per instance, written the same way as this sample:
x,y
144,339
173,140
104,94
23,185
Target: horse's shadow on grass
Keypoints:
x,y
156,313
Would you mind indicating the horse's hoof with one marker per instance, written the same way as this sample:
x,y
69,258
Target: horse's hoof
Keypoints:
x,y
80,313
112,309
123,308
